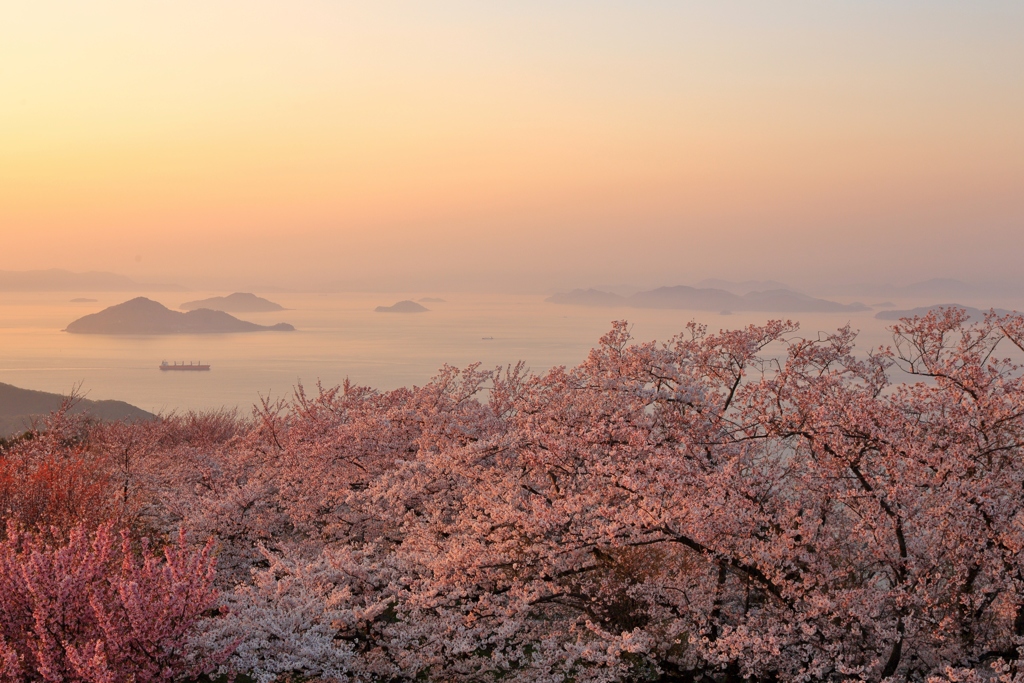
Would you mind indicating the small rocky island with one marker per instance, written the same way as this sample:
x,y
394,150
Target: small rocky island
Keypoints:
x,y
402,307
144,316
239,302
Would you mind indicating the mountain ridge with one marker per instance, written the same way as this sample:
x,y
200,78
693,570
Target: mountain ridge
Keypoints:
x,y
707,299
19,407
59,280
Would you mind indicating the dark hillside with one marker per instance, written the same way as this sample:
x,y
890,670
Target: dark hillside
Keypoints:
x,y
18,407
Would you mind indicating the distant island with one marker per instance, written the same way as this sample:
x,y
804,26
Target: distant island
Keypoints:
x,y
56,280
83,300
936,289
707,299
144,316
973,313
19,407
741,287
402,307
239,302
588,297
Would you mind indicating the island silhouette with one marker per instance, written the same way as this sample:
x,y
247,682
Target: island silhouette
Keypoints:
x,y
239,302
402,307
706,299
145,316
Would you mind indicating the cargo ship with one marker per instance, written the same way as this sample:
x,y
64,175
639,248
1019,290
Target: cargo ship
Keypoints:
x,y
182,366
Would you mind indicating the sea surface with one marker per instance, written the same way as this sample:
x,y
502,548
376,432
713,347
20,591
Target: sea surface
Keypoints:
x,y
338,336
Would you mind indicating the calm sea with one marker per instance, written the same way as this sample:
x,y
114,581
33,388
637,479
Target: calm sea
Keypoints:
x,y
338,336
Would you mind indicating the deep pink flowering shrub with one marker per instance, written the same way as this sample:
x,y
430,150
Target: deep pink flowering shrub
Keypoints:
x,y
91,610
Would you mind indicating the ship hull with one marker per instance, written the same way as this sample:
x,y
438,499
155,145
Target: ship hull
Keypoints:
x,y
184,368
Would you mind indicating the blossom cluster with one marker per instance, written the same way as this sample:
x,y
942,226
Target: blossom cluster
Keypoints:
x,y
753,504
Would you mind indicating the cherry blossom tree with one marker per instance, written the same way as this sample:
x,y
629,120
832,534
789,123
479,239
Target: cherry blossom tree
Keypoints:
x,y
754,504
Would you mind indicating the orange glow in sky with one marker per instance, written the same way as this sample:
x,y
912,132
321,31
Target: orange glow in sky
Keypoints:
x,y
467,142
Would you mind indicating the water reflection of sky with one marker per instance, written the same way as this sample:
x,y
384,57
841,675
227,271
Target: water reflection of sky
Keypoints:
x,y
339,336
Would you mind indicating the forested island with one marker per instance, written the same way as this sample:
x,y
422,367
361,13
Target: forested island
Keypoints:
x,y
755,504
406,306
144,316
239,302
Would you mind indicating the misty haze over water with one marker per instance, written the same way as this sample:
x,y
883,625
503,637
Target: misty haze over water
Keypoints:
x,y
338,336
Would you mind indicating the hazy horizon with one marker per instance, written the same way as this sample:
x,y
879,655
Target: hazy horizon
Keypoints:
x,y
933,291
513,146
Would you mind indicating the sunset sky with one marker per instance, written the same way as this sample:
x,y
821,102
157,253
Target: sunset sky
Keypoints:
x,y
516,145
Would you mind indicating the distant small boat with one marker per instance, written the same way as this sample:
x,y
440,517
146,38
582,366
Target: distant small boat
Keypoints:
x,y
182,366
487,338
